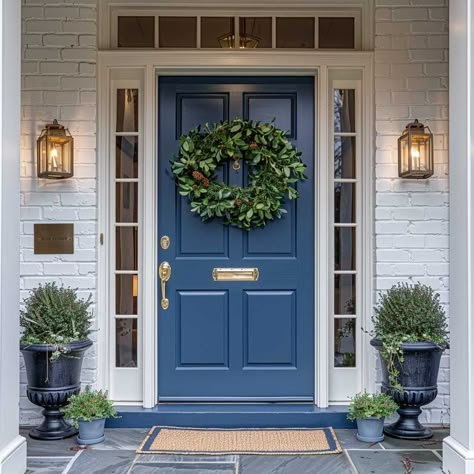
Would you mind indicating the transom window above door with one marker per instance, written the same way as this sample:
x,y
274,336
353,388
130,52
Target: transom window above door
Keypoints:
x,y
335,29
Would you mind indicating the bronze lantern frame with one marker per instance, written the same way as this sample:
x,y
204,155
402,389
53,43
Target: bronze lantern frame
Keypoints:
x,y
415,152
57,139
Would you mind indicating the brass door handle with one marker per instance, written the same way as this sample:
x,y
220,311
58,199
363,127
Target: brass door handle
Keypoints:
x,y
164,272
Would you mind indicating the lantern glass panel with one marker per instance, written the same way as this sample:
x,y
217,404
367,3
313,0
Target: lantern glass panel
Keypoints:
x,y
404,155
420,152
59,155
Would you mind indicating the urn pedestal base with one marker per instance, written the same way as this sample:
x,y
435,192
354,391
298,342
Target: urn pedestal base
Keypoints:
x,y
408,426
53,427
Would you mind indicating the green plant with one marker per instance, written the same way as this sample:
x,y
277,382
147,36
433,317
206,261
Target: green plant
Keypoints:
x,y
273,164
407,313
365,405
89,405
55,315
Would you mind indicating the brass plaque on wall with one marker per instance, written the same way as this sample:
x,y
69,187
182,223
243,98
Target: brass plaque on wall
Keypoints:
x,y
54,238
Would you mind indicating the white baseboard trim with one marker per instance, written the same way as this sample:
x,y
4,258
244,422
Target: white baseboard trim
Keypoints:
x,y
456,458
13,457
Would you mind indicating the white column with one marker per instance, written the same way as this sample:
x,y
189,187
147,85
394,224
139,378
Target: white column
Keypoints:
x,y
12,446
458,448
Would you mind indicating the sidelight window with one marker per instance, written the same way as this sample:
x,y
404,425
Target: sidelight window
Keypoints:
x,y
345,326
125,189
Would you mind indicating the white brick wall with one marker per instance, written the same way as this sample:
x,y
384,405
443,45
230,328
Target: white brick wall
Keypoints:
x,y
59,81
411,64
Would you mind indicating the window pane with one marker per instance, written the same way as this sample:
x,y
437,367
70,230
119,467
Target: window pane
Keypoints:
x,y
126,343
126,294
344,248
336,33
126,248
344,294
344,203
177,32
127,110
344,110
136,31
344,342
295,32
344,157
126,157
217,32
126,202
255,32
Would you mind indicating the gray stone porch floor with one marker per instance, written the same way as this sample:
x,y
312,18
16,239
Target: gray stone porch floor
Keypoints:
x,y
117,456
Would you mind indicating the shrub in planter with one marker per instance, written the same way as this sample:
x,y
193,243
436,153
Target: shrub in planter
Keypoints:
x,y
370,411
410,333
56,326
88,411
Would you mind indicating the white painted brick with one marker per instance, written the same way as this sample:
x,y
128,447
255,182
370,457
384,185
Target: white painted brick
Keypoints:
x,y
59,68
60,97
59,214
429,199
62,12
408,213
437,241
42,26
79,54
41,54
79,27
78,83
409,241
429,227
41,82
64,40
59,81
80,112
392,255
417,30
410,14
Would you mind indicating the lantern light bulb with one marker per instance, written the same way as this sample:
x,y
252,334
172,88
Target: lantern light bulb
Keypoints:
x,y
54,159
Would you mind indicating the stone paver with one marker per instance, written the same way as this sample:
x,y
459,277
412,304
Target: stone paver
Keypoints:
x,y
117,456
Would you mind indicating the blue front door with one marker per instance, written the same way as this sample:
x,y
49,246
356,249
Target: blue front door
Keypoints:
x,y
247,340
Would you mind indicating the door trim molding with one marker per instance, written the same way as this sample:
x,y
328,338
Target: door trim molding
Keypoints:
x,y
149,65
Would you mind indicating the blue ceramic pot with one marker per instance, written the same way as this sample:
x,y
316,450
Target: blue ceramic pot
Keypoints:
x,y
91,432
370,430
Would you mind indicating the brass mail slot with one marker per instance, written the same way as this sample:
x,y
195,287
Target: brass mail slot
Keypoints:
x,y
235,274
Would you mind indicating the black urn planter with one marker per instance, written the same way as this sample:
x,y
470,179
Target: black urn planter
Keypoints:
x,y
51,383
419,380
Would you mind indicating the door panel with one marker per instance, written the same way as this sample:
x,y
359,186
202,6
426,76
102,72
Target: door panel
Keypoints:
x,y
236,341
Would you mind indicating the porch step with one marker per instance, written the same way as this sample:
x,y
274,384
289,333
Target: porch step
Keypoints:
x,y
232,416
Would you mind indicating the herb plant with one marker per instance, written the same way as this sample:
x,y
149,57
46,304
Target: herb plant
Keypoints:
x,y
89,405
407,313
365,405
55,315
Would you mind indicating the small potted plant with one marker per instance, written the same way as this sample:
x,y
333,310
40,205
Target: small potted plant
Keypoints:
x,y
88,411
410,333
56,325
370,410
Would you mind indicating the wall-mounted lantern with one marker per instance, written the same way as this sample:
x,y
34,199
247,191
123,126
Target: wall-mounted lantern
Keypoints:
x,y
415,152
55,152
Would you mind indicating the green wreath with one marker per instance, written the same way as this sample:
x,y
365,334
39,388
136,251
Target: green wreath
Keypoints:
x,y
274,165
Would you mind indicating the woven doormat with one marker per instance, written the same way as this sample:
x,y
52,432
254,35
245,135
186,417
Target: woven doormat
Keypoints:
x,y
266,441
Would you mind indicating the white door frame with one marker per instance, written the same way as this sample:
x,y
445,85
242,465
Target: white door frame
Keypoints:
x,y
151,64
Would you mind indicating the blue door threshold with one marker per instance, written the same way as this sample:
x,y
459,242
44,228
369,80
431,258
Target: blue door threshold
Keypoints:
x,y
231,416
